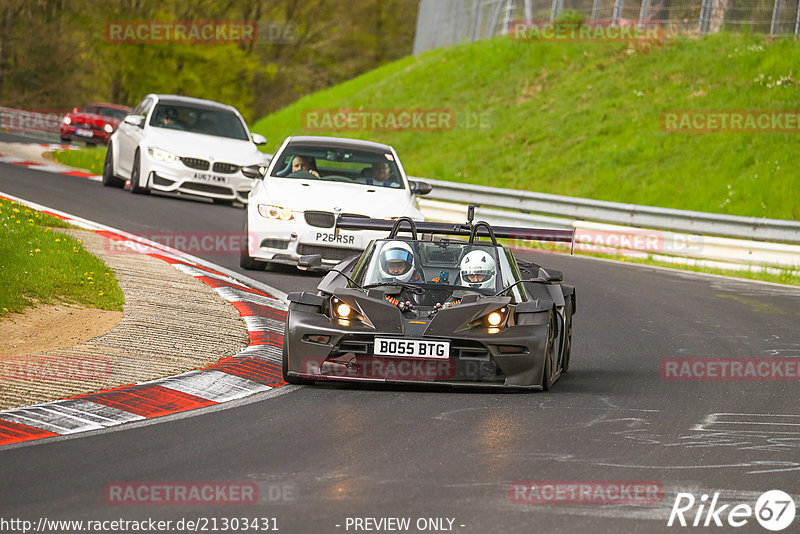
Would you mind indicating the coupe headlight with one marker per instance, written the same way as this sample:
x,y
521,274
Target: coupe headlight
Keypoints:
x,y
162,155
67,120
275,212
108,128
343,310
495,318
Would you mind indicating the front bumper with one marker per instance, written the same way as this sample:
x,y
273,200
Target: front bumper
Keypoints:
x,y
177,177
476,358
98,135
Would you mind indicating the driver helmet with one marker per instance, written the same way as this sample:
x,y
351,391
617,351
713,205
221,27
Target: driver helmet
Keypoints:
x,y
397,261
477,270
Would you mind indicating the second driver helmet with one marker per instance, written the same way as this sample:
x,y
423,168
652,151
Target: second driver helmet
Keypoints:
x,y
397,261
477,270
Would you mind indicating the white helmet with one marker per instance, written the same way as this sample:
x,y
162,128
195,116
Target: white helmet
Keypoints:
x,y
396,262
477,270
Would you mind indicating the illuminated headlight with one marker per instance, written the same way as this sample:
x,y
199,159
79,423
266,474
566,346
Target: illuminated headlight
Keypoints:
x,y
67,120
162,155
108,128
275,212
495,318
343,310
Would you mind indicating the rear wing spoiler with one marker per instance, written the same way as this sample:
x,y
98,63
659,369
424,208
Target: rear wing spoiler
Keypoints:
x,y
469,229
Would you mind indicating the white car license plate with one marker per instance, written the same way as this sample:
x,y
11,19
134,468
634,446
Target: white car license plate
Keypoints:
x,y
212,178
83,132
412,348
329,238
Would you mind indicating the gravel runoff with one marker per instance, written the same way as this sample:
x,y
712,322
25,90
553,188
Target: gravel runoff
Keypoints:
x,y
172,323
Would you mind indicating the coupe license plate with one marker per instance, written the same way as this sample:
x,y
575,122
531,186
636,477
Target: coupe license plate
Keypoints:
x,y
412,348
83,132
212,178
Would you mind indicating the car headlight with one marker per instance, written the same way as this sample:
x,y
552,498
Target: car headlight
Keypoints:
x,y
494,320
108,128
345,313
275,212
67,120
162,155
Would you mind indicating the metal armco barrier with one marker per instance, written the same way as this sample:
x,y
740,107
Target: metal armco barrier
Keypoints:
x,y
693,222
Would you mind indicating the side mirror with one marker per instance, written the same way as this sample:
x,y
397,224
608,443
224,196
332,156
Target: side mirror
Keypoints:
x,y
134,120
420,188
258,139
254,171
309,262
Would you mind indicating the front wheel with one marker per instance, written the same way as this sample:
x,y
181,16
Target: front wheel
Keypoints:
x,y
246,261
136,172
109,180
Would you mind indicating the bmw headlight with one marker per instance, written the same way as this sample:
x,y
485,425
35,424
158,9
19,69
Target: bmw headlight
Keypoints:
x,y
275,212
162,155
108,128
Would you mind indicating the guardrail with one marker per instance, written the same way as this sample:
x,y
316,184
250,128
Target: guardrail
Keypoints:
x,y
694,222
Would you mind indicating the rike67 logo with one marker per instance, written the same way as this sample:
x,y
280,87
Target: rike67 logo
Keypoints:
x,y
774,510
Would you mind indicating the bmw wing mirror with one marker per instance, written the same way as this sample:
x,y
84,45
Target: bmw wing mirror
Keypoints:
x,y
419,187
134,120
254,171
309,262
258,139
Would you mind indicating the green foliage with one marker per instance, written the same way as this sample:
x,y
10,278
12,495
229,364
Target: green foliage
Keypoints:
x,y
38,264
90,158
584,119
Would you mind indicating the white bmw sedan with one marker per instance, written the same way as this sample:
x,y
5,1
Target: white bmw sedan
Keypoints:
x,y
174,143
292,208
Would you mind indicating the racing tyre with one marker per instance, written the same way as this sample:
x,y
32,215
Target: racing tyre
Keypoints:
x,y
567,335
136,189
109,180
552,344
285,368
245,260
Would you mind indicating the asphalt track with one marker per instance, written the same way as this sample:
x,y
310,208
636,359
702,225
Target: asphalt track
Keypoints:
x,y
348,452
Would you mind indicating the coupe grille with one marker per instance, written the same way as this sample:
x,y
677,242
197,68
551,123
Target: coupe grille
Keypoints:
x,y
320,219
196,163
226,168
327,253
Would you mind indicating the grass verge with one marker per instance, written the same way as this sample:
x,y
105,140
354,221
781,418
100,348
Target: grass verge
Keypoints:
x,y
41,265
90,158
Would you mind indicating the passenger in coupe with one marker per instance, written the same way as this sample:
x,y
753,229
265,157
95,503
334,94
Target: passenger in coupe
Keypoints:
x,y
478,270
381,174
397,263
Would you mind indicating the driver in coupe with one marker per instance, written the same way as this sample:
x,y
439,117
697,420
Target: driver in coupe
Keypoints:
x,y
397,263
477,270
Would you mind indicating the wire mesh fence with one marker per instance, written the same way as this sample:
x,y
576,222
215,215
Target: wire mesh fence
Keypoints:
x,y
446,22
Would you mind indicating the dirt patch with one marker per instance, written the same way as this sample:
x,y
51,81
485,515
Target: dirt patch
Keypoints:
x,y
48,327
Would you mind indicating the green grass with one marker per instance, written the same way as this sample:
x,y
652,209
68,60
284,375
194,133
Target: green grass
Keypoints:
x,y
41,265
90,158
584,119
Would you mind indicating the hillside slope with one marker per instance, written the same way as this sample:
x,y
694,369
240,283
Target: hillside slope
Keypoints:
x,y
584,119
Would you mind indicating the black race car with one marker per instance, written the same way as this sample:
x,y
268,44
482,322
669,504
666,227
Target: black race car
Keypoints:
x,y
433,310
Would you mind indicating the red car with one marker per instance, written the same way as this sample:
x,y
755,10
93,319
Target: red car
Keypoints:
x,y
93,124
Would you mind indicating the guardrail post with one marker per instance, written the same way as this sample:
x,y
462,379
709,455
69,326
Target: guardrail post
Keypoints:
x,y
555,10
528,13
797,21
594,9
644,10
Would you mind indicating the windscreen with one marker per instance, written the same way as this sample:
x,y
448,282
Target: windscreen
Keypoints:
x,y
331,164
217,122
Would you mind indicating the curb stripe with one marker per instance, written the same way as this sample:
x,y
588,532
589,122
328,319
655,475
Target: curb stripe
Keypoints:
x,y
150,400
16,433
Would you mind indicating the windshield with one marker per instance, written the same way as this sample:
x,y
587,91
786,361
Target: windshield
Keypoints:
x,y
330,164
218,122
458,265
114,113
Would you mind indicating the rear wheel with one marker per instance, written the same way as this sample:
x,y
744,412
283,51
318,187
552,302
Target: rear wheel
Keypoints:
x,y
136,172
551,354
567,334
109,180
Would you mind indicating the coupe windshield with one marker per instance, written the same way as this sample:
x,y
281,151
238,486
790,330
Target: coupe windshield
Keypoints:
x,y
330,164
117,114
454,264
218,122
